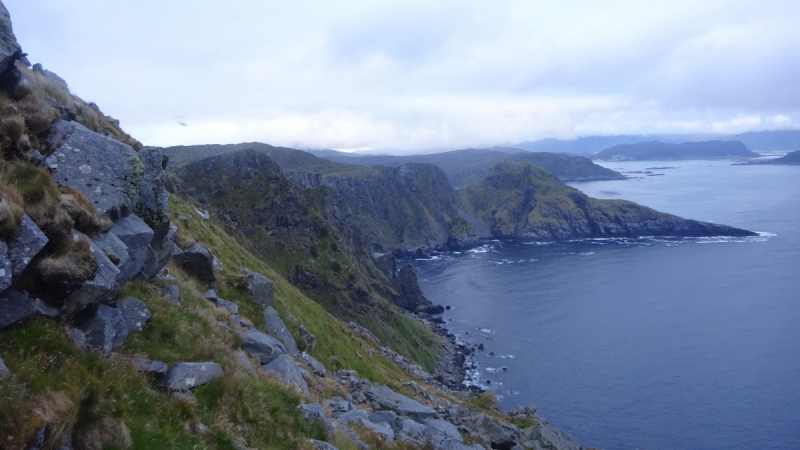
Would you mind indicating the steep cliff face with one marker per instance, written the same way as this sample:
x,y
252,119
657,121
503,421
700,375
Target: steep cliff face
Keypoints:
x,y
521,200
312,235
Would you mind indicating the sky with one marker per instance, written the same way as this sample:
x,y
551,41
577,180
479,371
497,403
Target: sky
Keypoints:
x,y
413,75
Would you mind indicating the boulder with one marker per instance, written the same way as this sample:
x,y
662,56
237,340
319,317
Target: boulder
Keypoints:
x,y
260,288
275,327
77,338
387,417
100,288
244,362
478,424
52,76
136,235
5,267
198,262
286,369
149,367
105,171
105,328
43,309
171,294
258,344
186,376
383,430
383,398
161,249
548,438
153,200
437,430
24,244
4,370
231,307
347,433
316,366
312,412
15,307
10,49
338,406
410,430
364,332
114,249
134,312
309,338
321,445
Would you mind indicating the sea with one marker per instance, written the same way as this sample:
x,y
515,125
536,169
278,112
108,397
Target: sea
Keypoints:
x,y
650,343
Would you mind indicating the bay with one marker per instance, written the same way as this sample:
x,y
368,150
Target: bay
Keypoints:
x,y
647,343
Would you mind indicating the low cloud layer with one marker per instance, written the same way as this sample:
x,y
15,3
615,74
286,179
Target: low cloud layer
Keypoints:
x,y
417,75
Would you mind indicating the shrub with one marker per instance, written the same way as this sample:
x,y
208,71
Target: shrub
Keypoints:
x,y
13,140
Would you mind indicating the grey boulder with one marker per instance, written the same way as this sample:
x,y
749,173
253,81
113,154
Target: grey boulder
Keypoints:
x,y
260,288
286,369
149,367
231,307
5,267
410,430
338,406
276,328
153,200
186,376
437,430
359,416
387,417
100,288
308,338
321,445
114,248
23,245
105,328
316,366
383,398
548,438
258,344
134,312
10,49
198,262
312,412
15,307
161,249
105,171
172,294
136,235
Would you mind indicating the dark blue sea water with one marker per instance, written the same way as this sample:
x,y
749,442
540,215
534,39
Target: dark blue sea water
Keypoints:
x,y
647,343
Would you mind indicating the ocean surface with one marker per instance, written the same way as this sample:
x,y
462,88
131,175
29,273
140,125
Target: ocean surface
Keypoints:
x,y
647,343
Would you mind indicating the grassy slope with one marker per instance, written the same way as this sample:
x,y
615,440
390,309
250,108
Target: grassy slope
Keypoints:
x,y
88,391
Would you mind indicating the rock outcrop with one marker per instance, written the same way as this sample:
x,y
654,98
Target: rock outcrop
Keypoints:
x,y
105,328
187,376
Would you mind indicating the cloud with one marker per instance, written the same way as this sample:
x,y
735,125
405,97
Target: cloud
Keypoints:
x,y
413,75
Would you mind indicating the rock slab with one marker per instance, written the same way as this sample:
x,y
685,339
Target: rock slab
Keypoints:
x,y
186,376
258,344
134,312
260,288
105,328
198,262
383,398
23,245
286,369
276,327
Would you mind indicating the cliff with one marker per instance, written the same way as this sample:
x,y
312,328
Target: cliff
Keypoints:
x,y
662,151
523,201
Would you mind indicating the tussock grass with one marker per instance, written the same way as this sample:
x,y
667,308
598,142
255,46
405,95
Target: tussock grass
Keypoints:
x,y
41,98
83,213
11,210
71,261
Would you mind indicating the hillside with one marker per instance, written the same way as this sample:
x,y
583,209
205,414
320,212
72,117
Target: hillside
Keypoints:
x,y
661,151
464,167
523,201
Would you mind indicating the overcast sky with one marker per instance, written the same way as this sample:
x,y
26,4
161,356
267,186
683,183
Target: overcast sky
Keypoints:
x,y
420,75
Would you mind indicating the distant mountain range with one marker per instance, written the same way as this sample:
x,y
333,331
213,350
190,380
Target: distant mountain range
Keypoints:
x,y
759,141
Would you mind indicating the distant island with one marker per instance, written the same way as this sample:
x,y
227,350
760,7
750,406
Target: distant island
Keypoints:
x,y
663,151
790,159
